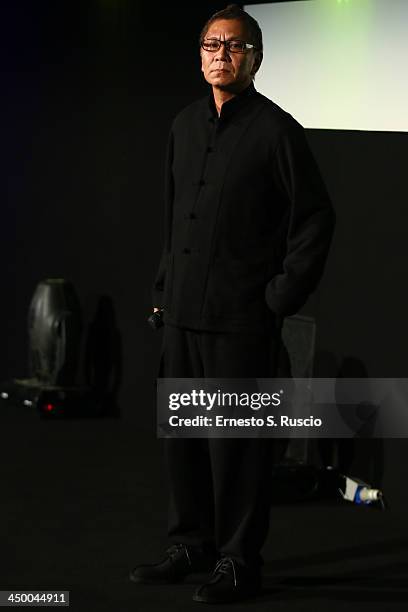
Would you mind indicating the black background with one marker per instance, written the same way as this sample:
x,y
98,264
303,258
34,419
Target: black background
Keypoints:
x,y
89,91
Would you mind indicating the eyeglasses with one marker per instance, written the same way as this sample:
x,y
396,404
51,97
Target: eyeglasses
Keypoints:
x,y
233,46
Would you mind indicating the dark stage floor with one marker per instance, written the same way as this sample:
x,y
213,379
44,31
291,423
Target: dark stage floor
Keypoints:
x,y
84,501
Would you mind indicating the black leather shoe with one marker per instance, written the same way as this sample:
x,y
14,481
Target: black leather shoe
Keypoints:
x,y
230,582
180,561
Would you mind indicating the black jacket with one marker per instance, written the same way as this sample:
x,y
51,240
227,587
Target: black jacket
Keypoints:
x,y
248,220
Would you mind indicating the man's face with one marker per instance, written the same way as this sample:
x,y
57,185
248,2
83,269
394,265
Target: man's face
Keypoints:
x,y
225,70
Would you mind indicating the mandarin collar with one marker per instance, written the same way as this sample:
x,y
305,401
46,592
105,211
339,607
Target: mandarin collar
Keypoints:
x,y
231,106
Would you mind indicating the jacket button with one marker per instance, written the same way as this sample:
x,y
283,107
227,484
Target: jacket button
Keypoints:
x,y
186,251
201,182
210,149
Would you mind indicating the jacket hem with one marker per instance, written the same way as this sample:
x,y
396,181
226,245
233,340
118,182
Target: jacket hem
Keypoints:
x,y
220,324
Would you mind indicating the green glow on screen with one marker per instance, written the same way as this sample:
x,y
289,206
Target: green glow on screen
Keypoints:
x,y
336,64
345,36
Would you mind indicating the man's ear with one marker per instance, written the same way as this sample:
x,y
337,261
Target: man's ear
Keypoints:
x,y
257,62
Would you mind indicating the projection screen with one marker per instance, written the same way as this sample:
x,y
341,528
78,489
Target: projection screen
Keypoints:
x,y
337,64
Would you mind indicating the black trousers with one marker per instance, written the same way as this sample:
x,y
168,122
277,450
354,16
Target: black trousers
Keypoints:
x,y
219,487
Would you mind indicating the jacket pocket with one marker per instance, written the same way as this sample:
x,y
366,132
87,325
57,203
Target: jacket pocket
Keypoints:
x,y
236,288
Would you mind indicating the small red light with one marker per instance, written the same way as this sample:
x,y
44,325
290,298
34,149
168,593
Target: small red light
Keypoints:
x,y
49,407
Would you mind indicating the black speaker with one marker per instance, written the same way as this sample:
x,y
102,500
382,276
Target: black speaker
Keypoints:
x,y
54,328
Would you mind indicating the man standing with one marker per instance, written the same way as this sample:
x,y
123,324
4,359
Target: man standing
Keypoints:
x,y
248,227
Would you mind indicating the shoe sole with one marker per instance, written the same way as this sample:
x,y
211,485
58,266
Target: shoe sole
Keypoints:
x,y
140,580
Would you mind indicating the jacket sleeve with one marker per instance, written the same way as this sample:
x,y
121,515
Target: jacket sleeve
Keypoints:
x,y
159,282
311,221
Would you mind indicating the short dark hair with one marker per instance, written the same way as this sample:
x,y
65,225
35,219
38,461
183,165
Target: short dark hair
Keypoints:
x,y
233,11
